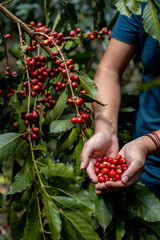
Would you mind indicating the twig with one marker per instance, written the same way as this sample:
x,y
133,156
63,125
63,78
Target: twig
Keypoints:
x,y
25,62
25,28
5,3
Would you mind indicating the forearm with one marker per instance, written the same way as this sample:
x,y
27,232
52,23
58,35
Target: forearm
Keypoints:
x,y
107,79
108,83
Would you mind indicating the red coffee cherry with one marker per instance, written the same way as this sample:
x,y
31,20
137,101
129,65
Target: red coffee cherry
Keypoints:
x,y
73,120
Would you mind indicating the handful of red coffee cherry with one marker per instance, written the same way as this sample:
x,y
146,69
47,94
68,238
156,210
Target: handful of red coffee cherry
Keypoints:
x,y
110,169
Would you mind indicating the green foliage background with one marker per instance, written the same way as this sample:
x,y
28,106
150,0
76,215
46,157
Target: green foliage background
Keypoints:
x,y
62,194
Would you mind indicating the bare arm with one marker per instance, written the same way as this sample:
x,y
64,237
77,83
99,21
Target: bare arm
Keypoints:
x,y
107,79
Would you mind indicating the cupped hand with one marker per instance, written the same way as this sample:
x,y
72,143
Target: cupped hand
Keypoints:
x,y
100,144
135,153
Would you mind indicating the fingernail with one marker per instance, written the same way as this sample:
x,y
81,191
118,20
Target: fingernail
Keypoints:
x,y
82,165
125,179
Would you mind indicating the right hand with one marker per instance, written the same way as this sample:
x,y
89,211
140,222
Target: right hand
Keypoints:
x,y
100,144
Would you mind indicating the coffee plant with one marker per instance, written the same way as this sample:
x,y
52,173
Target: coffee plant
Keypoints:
x,y
45,117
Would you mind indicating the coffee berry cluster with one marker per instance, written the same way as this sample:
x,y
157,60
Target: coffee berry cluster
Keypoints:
x,y
110,169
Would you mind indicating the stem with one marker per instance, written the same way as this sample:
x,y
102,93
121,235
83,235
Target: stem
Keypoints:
x,y
39,213
26,66
6,2
28,77
69,79
4,43
25,28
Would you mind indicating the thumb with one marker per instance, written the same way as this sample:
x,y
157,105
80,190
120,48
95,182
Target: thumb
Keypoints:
x,y
132,170
128,175
85,155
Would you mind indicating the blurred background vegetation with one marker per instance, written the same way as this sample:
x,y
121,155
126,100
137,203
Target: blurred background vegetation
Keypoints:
x,y
88,15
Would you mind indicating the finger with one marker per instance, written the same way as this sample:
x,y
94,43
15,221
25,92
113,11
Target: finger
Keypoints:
x,y
110,186
91,172
133,170
85,155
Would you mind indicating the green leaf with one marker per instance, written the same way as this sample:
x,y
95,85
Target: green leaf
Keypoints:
x,y
15,52
60,126
99,21
84,230
87,84
88,98
53,170
74,205
122,7
77,193
146,204
21,181
152,227
68,45
76,156
151,21
69,142
8,145
59,22
46,13
59,107
53,217
127,109
69,12
143,235
32,229
102,214
134,6
120,228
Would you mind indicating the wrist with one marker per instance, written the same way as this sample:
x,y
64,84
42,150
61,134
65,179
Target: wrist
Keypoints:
x,y
102,123
149,144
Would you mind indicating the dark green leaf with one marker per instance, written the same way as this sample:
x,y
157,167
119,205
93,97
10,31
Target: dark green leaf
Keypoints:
x,y
102,214
87,84
134,6
122,8
60,126
53,217
69,142
46,13
152,227
15,52
84,229
59,107
88,98
76,156
59,22
99,20
53,170
32,230
151,21
146,204
21,181
74,205
77,193
8,145
69,12
120,228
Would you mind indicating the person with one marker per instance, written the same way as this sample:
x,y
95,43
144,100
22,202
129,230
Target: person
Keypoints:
x,y
128,37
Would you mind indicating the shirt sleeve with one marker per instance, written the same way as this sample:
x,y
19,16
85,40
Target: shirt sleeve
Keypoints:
x,y
127,29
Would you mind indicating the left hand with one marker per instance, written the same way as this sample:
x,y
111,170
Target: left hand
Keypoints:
x,y
135,153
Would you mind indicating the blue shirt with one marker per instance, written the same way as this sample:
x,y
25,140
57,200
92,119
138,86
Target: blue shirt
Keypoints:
x,y
131,31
